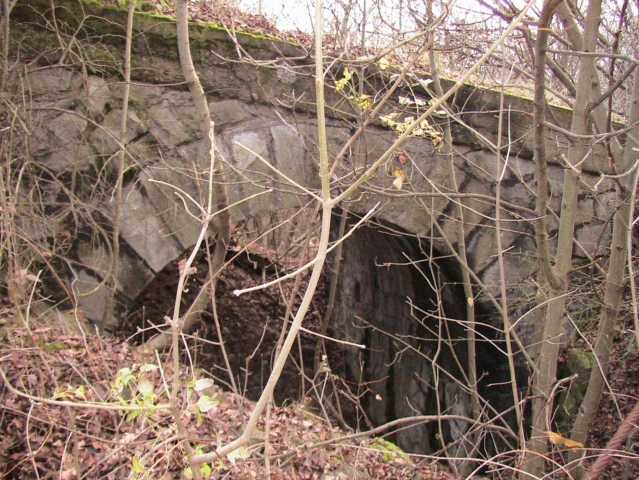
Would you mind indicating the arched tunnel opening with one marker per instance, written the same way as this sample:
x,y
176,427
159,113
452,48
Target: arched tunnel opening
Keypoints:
x,y
403,301
396,296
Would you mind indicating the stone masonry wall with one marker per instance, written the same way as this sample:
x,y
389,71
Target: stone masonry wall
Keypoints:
x,y
75,115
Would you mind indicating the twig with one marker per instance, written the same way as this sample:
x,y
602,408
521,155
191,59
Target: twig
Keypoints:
x,y
313,262
327,207
615,443
66,403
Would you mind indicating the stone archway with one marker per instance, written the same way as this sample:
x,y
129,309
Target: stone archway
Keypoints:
x,y
269,106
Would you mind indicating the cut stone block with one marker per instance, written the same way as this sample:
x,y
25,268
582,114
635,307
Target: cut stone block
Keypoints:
x,y
133,274
145,231
60,142
92,296
106,139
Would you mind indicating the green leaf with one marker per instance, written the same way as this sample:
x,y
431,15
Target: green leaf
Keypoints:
x,y
342,82
391,451
53,347
137,467
206,403
80,392
148,367
202,384
61,393
124,376
132,415
146,387
206,470
123,379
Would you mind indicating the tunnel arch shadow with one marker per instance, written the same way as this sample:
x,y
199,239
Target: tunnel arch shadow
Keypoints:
x,y
404,301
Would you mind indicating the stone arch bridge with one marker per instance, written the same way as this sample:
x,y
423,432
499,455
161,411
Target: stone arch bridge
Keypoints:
x,y
266,105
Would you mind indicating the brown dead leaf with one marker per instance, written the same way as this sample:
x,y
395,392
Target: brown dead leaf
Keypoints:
x,y
561,441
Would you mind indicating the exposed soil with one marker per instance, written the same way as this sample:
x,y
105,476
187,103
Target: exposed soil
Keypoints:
x,y
251,323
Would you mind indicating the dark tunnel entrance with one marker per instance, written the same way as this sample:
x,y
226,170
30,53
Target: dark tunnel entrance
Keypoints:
x,y
403,302
396,296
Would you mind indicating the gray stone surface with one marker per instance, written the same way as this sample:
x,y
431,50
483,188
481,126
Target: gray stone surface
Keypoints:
x,y
143,153
165,199
482,247
286,74
255,176
290,150
522,168
45,81
173,121
605,204
337,137
92,296
594,237
133,275
477,211
484,165
35,227
106,140
145,231
66,128
255,142
95,95
158,228
519,269
229,111
59,141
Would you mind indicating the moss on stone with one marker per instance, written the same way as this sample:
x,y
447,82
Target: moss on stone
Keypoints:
x,y
92,13
103,27
155,60
579,362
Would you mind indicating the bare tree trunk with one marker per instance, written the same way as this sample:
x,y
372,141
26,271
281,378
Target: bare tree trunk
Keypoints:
x,y
549,275
576,40
332,294
545,376
327,208
6,26
615,279
221,220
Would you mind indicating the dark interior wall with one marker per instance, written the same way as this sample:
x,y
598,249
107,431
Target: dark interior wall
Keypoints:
x,y
399,311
